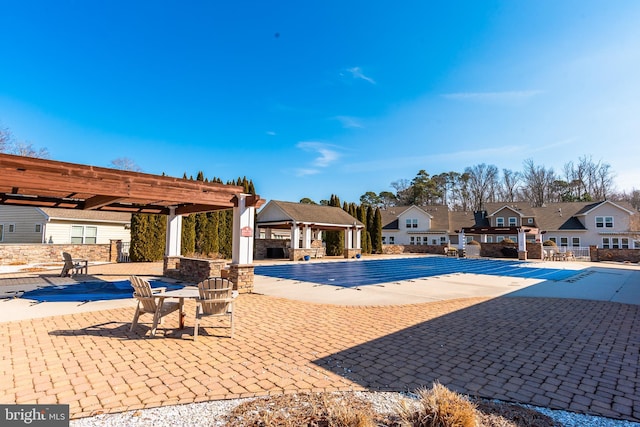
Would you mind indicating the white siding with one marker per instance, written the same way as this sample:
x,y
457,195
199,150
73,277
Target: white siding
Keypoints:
x,y
59,232
25,219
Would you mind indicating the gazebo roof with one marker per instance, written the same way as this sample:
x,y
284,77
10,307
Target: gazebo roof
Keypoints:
x,y
279,214
28,181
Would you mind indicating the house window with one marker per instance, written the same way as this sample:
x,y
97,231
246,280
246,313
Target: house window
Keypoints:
x,y
499,239
38,228
529,220
412,240
84,234
514,239
553,239
384,240
615,243
606,243
412,223
624,243
1,232
418,240
489,239
443,239
513,221
434,241
564,241
499,221
604,222
392,240
575,242
11,228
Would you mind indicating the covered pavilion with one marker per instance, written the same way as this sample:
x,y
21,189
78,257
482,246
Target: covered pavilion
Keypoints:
x,y
522,232
302,225
28,181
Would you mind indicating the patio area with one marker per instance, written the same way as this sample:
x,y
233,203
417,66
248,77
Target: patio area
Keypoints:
x,y
578,355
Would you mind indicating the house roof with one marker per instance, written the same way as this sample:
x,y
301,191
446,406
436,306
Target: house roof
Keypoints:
x,y
439,214
95,216
288,212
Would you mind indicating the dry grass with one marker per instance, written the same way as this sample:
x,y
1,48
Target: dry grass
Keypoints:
x,y
437,406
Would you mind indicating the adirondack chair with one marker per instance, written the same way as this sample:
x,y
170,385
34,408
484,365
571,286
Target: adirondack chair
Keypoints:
x,y
148,302
72,266
216,300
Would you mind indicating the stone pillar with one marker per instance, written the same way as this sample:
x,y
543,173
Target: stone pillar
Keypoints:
x,y
242,277
593,253
174,233
114,250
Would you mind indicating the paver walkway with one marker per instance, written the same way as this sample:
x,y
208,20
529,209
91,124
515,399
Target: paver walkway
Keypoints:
x,y
567,354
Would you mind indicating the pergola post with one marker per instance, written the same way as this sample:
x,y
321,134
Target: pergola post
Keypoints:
x,y
241,268
174,234
522,244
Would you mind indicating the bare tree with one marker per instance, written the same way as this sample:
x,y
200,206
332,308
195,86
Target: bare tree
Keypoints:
x,y
9,145
482,183
538,182
509,191
125,164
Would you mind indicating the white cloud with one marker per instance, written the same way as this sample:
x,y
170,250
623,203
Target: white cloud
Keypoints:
x,y
357,73
327,155
306,172
271,133
505,96
349,122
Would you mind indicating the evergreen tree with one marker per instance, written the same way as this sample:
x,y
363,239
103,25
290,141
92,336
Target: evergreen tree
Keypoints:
x,y
365,239
334,239
376,233
188,243
139,236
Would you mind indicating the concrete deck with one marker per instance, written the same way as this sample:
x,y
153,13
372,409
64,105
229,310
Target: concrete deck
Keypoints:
x,y
570,345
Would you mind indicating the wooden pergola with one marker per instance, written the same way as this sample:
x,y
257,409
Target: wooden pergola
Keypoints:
x,y
27,181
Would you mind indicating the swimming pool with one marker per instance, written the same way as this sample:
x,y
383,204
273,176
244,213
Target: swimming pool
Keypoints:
x,y
351,274
90,291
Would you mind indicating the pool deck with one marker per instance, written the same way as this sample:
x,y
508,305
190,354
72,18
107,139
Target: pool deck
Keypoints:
x,y
570,345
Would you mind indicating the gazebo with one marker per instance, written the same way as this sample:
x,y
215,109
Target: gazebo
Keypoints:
x,y
28,181
483,232
302,225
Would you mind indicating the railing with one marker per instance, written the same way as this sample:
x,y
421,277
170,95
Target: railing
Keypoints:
x,y
123,256
570,253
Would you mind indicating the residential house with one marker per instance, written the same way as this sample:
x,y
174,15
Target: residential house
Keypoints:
x,y
415,225
604,224
27,224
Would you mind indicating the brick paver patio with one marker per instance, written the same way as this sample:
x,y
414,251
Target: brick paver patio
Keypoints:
x,y
577,355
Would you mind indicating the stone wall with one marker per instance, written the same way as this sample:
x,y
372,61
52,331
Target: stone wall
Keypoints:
x,y
193,270
42,253
499,250
619,255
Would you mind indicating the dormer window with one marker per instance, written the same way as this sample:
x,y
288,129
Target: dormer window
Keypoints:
x,y
412,223
604,222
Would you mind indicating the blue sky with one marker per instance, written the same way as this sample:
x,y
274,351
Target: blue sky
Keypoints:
x,y
310,99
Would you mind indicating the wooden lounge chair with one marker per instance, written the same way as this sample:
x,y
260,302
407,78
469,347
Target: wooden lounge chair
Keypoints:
x,y
148,302
72,266
216,299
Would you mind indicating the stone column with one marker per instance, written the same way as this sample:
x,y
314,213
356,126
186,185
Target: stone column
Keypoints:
x,y
242,277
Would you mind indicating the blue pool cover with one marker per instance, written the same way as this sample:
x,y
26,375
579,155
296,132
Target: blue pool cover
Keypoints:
x,y
351,274
90,291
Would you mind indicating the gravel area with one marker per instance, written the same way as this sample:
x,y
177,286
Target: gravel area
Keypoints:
x,y
212,414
